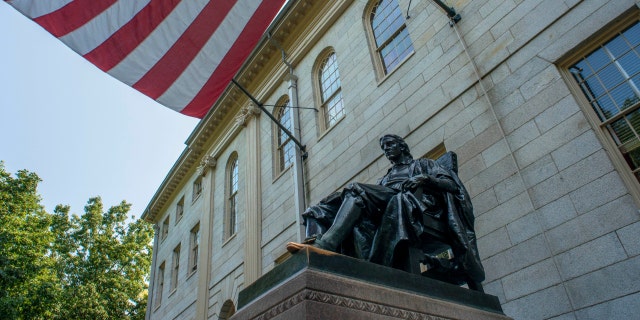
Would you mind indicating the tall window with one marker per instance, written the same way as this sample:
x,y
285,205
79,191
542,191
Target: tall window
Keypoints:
x,y
176,268
609,78
232,196
164,232
159,285
330,90
197,188
195,243
179,209
390,34
285,151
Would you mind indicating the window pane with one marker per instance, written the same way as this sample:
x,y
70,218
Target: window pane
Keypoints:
x,y
383,20
598,59
390,34
633,34
610,76
629,62
630,147
623,96
232,214
396,50
335,109
284,141
594,88
284,119
621,131
582,68
618,46
234,176
330,87
605,107
329,78
288,154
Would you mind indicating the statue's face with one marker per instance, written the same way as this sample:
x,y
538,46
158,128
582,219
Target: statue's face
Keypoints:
x,y
391,148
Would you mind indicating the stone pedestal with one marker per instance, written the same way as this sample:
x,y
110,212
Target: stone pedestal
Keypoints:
x,y
316,284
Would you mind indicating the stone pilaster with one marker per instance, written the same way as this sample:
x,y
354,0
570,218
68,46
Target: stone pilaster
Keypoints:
x,y
206,226
253,215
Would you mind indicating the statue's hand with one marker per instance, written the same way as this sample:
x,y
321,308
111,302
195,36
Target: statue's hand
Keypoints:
x,y
417,181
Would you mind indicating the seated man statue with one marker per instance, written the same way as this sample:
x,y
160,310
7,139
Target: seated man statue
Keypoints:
x,y
418,206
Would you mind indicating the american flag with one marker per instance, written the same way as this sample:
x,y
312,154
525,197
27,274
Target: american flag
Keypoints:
x,y
182,54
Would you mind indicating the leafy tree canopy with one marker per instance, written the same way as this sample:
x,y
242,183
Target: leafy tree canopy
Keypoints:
x,y
65,266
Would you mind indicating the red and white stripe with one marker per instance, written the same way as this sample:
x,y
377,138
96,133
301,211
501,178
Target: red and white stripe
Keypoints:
x,y
181,53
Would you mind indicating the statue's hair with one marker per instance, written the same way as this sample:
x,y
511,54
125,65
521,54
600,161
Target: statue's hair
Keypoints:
x,y
399,140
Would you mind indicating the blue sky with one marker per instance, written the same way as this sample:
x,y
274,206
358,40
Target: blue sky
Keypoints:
x,y
83,132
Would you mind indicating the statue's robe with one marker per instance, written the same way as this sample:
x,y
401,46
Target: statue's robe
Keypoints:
x,y
394,219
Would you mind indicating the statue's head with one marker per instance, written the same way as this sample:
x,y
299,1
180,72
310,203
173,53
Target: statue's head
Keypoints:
x,y
397,141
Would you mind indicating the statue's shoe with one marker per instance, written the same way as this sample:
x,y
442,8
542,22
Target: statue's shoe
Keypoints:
x,y
294,247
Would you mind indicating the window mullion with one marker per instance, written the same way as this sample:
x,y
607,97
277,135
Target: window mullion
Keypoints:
x,y
391,38
622,71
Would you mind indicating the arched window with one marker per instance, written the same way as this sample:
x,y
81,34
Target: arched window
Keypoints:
x,y
232,196
329,89
389,33
284,145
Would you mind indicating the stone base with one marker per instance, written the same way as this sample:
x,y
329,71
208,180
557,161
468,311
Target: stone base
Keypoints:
x,y
317,284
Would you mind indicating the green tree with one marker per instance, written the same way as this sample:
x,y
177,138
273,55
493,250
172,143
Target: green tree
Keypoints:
x,y
62,266
103,261
28,283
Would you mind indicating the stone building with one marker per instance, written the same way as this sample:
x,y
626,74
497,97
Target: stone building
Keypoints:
x,y
539,99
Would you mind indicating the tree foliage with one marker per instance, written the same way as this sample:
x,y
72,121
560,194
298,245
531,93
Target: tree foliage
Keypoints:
x,y
65,266
28,284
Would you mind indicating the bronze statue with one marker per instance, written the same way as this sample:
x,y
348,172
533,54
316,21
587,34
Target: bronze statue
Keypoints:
x,y
417,207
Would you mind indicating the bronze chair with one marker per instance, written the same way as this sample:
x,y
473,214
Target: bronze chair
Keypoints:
x,y
434,255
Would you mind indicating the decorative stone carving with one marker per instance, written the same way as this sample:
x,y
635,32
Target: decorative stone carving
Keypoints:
x,y
356,304
206,163
246,114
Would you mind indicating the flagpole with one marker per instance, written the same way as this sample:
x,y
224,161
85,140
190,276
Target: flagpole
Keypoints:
x,y
260,105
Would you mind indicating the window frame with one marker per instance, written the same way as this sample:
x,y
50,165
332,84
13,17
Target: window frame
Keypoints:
x,y
194,247
179,209
164,230
280,147
587,47
175,268
197,189
159,286
231,196
323,119
381,69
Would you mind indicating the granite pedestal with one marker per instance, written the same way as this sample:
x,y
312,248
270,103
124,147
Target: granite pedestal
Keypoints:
x,y
317,284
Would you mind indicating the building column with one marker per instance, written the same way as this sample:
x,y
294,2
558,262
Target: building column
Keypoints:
x,y
253,191
206,230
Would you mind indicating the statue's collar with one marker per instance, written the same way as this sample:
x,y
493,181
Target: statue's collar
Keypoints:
x,y
404,161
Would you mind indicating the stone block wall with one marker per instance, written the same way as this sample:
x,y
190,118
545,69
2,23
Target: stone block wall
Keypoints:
x,y
557,226
554,218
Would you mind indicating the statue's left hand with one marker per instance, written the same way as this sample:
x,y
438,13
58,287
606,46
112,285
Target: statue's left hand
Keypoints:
x,y
417,181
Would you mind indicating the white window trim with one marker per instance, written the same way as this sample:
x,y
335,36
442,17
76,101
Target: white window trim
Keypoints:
x,y
591,44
